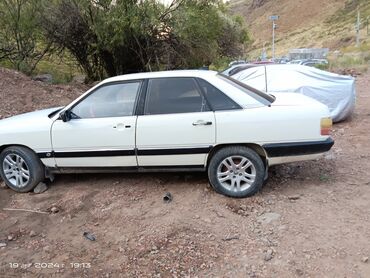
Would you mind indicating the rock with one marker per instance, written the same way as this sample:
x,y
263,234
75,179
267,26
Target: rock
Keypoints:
x,y
11,238
365,259
33,233
47,78
294,197
167,198
207,220
219,214
268,218
330,156
299,272
3,185
54,209
40,188
3,244
46,249
269,255
79,79
89,236
154,250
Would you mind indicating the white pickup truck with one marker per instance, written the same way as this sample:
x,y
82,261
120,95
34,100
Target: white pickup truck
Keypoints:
x,y
166,121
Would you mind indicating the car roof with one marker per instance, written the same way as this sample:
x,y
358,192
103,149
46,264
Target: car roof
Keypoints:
x,y
162,74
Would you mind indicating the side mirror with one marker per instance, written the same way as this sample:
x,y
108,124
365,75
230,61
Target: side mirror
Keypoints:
x,y
65,115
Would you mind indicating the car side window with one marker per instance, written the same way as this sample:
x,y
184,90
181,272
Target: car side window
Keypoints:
x,y
174,95
217,99
112,100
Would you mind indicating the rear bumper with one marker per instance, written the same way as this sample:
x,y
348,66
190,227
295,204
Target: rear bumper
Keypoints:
x,y
298,148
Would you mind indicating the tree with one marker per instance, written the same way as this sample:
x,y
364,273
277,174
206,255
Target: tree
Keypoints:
x,y
20,35
116,37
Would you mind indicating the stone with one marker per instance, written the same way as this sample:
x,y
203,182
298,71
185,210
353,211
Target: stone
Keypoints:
x,y
3,244
33,233
11,237
269,255
207,220
294,197
365,259
79,79
40,188
47,78
269,217
54,209
299,272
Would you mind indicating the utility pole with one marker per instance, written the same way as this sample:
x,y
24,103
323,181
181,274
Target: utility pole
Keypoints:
x,y
273,18
358,25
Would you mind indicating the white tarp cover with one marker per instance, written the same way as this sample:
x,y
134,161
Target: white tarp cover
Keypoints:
x,y
338,92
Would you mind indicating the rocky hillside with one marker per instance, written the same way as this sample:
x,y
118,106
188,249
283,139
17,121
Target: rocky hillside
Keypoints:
x,y
302,23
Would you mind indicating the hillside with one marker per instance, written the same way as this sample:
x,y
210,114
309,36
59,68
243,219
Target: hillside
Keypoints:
x,y
302,23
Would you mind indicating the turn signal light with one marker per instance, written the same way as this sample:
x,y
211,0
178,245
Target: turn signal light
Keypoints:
x,y
326,126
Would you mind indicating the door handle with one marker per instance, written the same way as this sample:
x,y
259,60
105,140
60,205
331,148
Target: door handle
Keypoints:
x,y
121,126
201,122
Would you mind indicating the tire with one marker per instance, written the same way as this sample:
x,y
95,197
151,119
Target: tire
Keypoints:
x,y
241,172
21,169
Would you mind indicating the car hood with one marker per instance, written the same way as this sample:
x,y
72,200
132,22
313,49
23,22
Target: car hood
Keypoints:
x,y
27,120
294,99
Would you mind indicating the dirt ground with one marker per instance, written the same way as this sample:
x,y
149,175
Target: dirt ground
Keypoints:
x,y
312,219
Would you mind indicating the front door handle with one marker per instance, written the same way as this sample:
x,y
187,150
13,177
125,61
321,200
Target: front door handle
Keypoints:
x,y
201,122
121,126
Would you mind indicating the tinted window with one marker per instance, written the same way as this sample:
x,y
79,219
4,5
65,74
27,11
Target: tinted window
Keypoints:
x,y
115,100
262,97
217,99
174,95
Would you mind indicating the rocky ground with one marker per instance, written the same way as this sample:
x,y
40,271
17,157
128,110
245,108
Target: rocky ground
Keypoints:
x,y
312,219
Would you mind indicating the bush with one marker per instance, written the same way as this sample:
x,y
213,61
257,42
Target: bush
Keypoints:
x,y
21,42
134,36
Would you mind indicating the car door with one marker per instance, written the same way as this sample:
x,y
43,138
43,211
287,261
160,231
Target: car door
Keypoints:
x,y
101,131
177,127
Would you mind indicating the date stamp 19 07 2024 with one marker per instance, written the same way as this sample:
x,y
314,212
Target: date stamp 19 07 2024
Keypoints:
x,y
49,265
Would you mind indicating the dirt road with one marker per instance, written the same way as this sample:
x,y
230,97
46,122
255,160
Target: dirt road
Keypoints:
x,y
312,219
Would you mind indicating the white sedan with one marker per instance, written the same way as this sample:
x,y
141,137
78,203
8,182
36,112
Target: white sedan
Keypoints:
x,y
173,121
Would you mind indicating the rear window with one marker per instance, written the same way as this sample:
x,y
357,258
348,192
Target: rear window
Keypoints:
x,y
217,99
262,97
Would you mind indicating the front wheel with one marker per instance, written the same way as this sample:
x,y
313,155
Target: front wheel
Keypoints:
x,y
21,169
236,172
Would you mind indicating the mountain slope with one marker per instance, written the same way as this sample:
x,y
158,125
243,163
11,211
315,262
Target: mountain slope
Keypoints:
x,y
302,23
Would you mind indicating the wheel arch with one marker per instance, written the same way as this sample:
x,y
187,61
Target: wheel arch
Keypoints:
x,y
3,147
255,147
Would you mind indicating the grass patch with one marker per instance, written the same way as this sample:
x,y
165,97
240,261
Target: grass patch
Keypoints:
x,y
63,68
357,61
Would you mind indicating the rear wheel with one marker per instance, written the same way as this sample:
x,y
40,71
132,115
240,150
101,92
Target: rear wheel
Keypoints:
x,y
21,169
236,172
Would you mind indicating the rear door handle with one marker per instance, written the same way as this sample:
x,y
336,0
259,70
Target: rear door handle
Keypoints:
x,y
201,122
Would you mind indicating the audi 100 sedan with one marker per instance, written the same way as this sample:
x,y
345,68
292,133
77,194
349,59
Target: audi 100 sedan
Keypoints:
x,y
172,121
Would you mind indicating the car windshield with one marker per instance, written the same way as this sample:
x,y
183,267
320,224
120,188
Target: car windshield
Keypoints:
x,y
262,97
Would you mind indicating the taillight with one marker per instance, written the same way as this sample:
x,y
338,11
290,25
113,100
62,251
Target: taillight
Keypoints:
x,y
326,125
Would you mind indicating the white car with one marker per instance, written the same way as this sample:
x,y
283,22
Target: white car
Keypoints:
x,y
174,121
